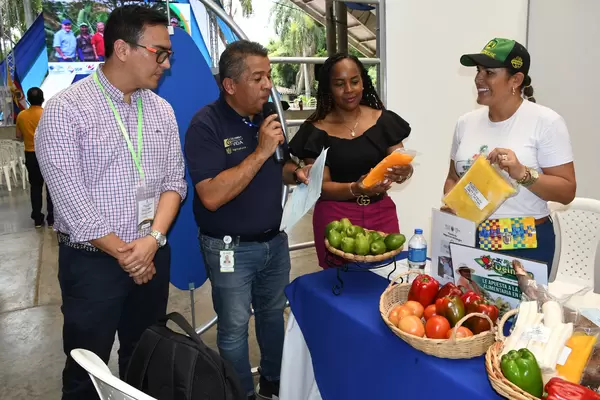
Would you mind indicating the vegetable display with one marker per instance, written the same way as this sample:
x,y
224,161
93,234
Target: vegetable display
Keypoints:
x,y
438,310
354,239
521,368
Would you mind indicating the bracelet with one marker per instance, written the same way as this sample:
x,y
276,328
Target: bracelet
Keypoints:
x,y
352,192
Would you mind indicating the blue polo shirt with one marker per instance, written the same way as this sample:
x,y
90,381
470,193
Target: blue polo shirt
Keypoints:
x,y
218,139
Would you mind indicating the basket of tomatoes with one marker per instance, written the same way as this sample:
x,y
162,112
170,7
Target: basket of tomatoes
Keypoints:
x,y
439,321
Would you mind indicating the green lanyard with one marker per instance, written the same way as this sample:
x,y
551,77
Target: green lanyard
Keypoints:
x,y
137,157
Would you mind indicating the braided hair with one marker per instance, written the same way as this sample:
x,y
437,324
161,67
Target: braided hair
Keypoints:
x,y
325,104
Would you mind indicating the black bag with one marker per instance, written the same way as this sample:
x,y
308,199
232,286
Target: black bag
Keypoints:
x,y
170,366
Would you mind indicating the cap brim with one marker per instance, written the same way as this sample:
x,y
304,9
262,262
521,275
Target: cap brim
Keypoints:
x,y
473,60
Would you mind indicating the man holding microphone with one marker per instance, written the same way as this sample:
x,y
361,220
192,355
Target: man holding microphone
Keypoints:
x,y
229,148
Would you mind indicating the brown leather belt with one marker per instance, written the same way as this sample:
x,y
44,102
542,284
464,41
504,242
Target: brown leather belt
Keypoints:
x,y
541,220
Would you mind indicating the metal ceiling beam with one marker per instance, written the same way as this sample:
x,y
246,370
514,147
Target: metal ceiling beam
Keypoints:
x,y
320,18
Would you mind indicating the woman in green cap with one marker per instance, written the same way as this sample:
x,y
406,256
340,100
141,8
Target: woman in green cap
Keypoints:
x,y
528,141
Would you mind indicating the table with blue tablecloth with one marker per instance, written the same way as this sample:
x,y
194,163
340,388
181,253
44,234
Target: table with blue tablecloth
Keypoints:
x,y
354,355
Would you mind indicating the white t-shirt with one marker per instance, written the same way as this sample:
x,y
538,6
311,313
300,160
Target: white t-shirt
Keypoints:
x,y
538,136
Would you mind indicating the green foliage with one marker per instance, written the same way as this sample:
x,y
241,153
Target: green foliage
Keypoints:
x,y
283,75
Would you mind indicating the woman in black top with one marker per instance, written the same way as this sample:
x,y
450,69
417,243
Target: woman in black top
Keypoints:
x,y
352,122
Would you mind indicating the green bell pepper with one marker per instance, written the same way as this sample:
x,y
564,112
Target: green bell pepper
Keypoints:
x,y
521,368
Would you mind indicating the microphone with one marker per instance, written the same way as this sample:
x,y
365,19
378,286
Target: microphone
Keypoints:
x,y
270,109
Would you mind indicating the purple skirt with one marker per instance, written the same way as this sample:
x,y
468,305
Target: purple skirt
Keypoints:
x,y
380,216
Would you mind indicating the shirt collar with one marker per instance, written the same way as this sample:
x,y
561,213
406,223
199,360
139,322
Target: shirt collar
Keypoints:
x,y
113,92
232,114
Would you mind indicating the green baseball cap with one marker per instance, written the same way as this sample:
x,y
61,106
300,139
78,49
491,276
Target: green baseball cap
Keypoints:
x,y
500,53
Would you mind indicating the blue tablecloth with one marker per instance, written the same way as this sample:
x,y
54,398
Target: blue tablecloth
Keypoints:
x,y
356,356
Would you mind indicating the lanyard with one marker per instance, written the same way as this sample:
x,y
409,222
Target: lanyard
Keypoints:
x,y
250,123
137,157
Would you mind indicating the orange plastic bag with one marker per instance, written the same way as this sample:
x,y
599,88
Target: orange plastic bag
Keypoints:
x,y
399,157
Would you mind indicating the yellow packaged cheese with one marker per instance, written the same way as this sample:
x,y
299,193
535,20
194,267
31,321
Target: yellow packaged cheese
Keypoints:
x,y
480,192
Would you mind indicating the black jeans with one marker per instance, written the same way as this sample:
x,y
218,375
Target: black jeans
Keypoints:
x,y
100,299
36,180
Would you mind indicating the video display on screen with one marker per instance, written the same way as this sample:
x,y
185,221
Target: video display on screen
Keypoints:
x,y
74,29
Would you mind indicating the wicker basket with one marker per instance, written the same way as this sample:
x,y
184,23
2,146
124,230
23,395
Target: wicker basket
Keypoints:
x,y
473,346
369,258
492,365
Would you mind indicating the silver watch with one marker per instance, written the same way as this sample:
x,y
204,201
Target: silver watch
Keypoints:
x,y
160,238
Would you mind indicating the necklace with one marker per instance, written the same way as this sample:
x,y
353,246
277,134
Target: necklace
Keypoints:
x,y
353,130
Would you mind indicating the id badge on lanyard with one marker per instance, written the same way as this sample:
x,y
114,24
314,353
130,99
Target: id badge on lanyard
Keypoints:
x,y
144,198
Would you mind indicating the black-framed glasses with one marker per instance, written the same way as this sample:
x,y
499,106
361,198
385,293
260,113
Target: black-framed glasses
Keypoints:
x,y
161,55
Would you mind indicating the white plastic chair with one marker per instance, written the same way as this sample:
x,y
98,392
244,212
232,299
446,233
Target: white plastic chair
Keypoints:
x,y
108,386
5,167
577,228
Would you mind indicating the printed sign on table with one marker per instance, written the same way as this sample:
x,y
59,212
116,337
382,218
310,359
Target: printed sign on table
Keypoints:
x,y
445,229
492,274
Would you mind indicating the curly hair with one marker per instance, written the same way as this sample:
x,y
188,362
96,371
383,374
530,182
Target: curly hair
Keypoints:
x,y
325,104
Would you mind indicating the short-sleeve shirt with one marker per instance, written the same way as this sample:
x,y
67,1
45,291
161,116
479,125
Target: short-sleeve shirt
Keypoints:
x,y
538,136
27,122
85,44
98,41
218,139
349,159
67,43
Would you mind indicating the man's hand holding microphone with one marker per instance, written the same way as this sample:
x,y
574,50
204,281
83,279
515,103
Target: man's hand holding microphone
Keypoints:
x,y
270,136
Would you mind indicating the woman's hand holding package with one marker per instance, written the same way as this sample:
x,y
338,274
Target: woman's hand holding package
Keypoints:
x,y
508,161
359,189
399,173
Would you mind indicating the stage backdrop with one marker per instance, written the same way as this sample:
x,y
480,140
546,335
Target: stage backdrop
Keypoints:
x,y
188,86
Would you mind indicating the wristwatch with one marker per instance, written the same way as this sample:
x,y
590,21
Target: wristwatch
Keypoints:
x,y
160,238
531,176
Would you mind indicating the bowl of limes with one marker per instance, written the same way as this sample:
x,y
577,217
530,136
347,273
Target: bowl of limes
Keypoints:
x,y
355,243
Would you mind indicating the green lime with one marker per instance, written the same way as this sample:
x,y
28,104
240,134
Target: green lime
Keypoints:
x,y
394,241
378,247
375,236
334,238
345,224
333,225
348,245
354,230
362,245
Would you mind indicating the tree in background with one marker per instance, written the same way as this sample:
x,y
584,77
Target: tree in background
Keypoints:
x,y
300,36
245,5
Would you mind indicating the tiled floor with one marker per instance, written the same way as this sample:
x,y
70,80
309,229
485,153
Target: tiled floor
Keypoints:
x,y
31,356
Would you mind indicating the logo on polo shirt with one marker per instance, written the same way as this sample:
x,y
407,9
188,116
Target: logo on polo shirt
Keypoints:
x,y
233,144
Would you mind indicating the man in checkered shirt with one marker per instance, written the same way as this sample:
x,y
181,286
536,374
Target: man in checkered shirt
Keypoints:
x,y
115,196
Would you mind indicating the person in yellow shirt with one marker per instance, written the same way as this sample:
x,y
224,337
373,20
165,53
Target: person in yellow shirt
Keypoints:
x,y
27,122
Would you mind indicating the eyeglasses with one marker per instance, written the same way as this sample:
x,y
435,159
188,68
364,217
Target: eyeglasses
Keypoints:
x,y
161,55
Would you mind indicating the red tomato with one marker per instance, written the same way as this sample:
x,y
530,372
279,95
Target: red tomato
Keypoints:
x,y
416,307
462,332
437,327
412,325
398,312
429,311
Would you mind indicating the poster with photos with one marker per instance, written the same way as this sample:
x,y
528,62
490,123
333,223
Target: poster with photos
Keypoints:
x,y
492,275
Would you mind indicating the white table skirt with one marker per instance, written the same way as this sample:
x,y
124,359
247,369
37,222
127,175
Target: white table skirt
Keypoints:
x,y
297,375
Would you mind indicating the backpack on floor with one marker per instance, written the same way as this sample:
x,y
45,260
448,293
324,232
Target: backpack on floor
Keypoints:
x,y
170,366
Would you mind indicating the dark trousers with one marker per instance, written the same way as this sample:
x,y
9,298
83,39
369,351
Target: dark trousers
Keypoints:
x,y
36,180
99,300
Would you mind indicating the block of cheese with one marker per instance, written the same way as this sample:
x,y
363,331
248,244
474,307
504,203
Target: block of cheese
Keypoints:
x,y
480,192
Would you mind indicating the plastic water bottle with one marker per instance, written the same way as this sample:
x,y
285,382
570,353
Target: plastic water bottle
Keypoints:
x,y
417,251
